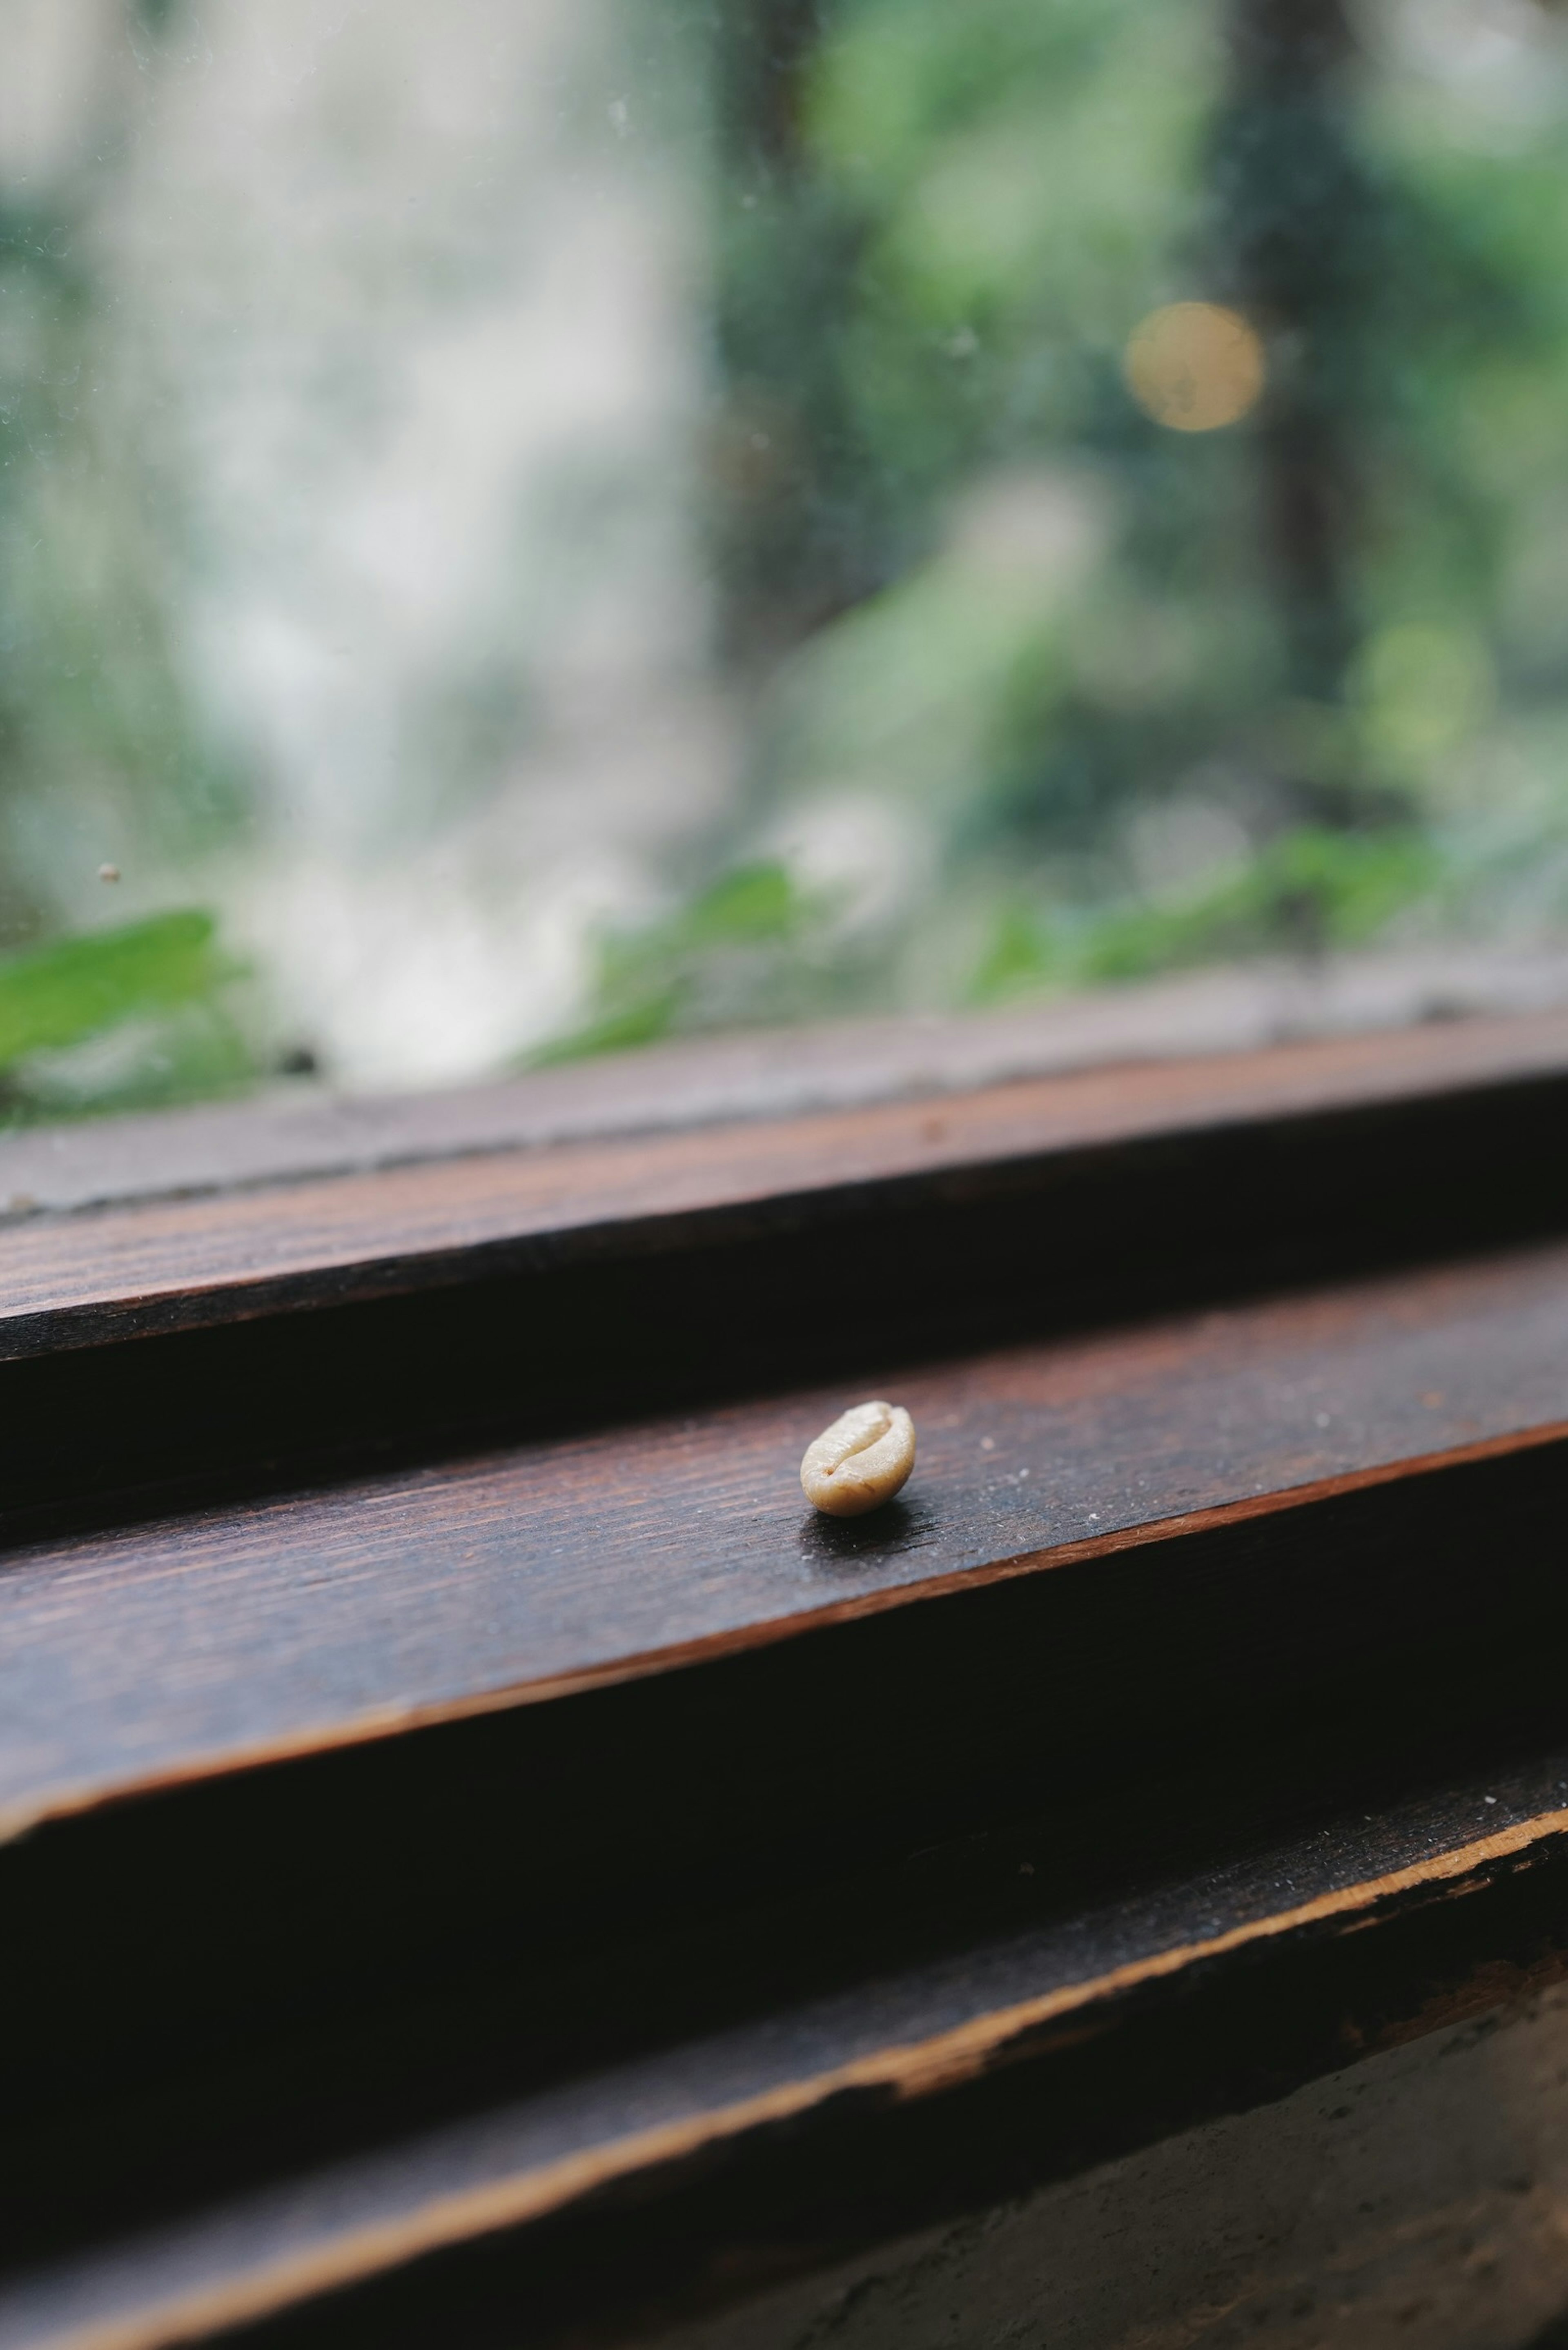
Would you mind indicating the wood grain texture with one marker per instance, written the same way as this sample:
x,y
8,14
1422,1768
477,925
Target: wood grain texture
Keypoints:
x,y
482,1909
216,1638
301,1131
678,1755
189,1262
1398,1923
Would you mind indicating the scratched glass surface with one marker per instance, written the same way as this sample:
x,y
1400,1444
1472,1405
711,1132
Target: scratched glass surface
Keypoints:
x,y
530,528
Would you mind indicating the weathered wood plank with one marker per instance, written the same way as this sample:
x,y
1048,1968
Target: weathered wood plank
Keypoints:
x,y
791,2139
191,1261
769,1073
216,1638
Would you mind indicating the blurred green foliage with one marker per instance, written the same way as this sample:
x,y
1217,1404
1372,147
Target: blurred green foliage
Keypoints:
x,y
978,587
1311,889
98,737
745,934
163,979
96,731
78,987
1111,698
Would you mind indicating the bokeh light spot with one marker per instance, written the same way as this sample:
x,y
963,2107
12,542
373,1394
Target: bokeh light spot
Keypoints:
x,y
1194,366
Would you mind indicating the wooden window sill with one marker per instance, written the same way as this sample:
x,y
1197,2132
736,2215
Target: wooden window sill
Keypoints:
x,y
292,1624
415,1657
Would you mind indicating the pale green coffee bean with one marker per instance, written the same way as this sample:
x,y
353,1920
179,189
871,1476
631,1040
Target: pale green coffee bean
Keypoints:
x,y
860,1462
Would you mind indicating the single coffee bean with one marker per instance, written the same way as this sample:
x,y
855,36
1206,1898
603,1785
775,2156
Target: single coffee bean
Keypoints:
x,y
860,1462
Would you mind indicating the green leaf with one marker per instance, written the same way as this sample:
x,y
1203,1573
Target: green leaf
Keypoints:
x,y
650,980
752,901
75,988
1020,955
1310,889
622,1031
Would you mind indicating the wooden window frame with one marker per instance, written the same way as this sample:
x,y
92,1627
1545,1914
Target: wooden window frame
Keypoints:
x,y
479,1844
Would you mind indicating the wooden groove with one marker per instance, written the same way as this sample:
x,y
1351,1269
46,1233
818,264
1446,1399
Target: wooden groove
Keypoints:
x,y
901,2071
689,1848
649,1571
75,1279
771,1073
304,1623
20,1818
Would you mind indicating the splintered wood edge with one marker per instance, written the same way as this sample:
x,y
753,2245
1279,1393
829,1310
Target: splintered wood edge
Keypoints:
x,y
19,1818
901,2071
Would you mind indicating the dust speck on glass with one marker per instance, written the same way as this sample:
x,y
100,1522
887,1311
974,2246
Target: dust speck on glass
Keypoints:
x,y
529,527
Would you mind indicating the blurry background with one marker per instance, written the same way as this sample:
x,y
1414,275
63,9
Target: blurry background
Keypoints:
x,y
536,524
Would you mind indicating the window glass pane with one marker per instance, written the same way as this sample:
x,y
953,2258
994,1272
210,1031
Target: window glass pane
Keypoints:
x,y
526,527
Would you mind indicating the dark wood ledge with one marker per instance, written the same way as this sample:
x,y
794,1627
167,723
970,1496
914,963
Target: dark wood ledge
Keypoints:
x,y
257,1339
683,2180
218,1638
185,1262
507,1771
303,1132
428,1708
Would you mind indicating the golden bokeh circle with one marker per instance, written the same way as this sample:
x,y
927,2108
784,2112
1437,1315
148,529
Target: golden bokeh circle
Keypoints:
x,y
1194,366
